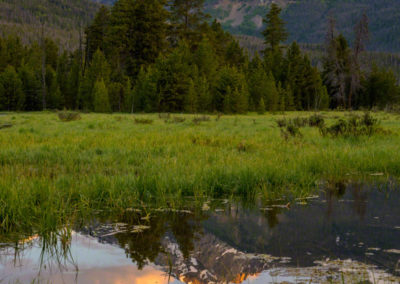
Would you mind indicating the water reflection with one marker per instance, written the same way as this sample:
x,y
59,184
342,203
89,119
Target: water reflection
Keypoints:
x,y
226,242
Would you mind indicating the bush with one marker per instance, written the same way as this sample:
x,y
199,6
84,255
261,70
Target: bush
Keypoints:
x,y
316,120
176,119
199,119
281,122
300,121
5,125
67,116
291,130
164,116
143,121
365,125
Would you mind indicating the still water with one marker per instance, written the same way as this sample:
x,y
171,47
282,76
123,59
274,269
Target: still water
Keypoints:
x,y
346,235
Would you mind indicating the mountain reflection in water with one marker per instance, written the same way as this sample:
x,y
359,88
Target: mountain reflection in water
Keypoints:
x,y
226,242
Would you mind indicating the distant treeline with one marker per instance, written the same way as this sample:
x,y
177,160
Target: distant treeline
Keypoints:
x,y
165,56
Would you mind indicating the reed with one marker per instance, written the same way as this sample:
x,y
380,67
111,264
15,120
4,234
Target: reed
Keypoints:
x,y
53,173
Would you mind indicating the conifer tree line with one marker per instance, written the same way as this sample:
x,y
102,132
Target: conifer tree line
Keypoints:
x,y
168,56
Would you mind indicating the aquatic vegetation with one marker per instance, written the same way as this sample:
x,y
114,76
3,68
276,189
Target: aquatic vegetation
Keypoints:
x,y
54,173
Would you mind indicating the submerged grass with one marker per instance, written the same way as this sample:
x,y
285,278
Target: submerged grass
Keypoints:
x,y
52,173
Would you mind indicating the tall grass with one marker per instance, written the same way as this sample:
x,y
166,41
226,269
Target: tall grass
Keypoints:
x,y
53,173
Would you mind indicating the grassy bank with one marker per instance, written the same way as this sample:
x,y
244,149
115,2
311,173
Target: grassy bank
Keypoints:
x,y
52,171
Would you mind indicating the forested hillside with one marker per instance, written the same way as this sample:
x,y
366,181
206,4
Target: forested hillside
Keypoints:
x,y
146,56
61,19
306,19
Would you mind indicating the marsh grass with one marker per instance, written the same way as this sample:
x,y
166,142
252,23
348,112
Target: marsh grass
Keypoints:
x,y
67,116
143,121
54,173
5,125
354,126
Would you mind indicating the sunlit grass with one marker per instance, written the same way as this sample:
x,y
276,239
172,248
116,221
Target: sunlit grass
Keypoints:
x,y
52,171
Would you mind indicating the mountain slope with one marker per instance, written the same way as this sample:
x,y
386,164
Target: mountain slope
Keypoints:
x,y
306,20
61,19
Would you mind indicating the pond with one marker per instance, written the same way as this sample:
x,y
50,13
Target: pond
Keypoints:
x,y
347,234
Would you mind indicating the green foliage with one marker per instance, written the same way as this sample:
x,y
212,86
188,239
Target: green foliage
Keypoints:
x,y
380,89
12,96
152,58
100,97
146,96
166,163
231,93
275,32
137,33
67,116
261,106
354,126
175,74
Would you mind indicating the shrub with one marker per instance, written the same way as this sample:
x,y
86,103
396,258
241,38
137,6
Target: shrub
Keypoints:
x,y
316,120
300,121
67,116
291,130
5,125
199,119
365,125
175,119
164,116
281,122
143,121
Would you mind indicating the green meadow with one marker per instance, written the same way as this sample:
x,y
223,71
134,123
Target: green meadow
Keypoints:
x,y
54,172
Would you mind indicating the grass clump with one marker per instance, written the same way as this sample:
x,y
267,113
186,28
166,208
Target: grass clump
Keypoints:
x,y
199,119
5,125
175,119
316,120
143,121
353,126
291,130
67,116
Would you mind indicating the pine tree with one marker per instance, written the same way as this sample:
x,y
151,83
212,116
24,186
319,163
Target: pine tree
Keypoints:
x,y
275,32
191,100
272,97
261,106
54,98
230,87
227,101
186,18
205,59
73,85
295,74
175,75
146,95
12,96
203,94
101,100
30,87
97,32
99,70
336,72
137,34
